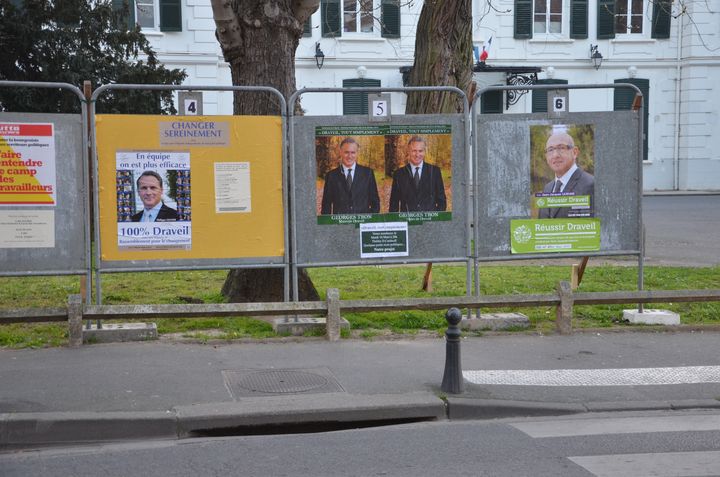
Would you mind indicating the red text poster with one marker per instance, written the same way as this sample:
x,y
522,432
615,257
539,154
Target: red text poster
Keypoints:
x,y
27,164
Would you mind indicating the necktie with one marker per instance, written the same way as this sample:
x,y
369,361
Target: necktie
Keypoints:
x,y
558,185
148,217
416,177
348,178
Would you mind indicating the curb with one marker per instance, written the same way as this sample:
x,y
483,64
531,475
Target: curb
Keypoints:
x,y
468,408
28,430
22,430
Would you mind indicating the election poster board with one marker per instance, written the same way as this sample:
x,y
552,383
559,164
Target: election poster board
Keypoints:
x,y
386,211
190,188
43,212
521,208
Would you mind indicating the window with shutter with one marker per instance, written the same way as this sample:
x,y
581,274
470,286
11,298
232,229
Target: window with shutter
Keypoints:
x,y
539,97
523,19
628,16
661,19
307,28
547,16
606,19
491,102
390,17
356,103
119,6
330,16
170,15
623,99
579,19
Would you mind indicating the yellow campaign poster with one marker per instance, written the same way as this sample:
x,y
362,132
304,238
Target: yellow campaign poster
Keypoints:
x,y
190,187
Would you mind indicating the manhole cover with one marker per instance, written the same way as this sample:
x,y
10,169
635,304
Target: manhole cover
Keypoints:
x,y
280,381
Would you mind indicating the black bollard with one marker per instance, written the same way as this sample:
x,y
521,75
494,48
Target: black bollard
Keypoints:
x,y
452,377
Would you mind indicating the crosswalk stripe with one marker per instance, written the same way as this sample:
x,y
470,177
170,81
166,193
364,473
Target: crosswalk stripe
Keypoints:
x,y
620,425
596,377
678,464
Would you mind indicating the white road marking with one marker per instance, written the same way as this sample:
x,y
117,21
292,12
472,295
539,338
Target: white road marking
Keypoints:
x,y
596,377
676,464
620,425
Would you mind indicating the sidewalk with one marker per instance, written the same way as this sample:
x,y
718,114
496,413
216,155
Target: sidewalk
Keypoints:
x,y
174,390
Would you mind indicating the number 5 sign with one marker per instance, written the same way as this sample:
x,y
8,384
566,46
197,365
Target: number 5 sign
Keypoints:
x,y
379,107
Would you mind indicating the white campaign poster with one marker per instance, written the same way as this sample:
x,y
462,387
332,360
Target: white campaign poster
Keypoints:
x,y
153,199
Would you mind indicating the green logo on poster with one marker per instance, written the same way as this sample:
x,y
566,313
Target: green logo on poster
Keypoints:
x,y
540,202
522,234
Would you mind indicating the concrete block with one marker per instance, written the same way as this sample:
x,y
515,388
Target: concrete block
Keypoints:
x,y
119,332
494,321
651,317
297,326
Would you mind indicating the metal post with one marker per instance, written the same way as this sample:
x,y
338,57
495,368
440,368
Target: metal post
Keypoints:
x,y
452,381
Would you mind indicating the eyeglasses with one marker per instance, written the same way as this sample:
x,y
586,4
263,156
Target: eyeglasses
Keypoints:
x,y
559,148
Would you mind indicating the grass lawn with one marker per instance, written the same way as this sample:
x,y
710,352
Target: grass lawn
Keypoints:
x,y
356,283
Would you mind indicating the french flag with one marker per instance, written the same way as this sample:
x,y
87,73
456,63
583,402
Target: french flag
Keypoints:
x,y
484,55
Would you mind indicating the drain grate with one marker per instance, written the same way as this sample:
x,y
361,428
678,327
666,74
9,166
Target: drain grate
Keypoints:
x,y
257,382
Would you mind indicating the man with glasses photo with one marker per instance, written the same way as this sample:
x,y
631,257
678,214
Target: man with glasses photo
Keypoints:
x,y
570,180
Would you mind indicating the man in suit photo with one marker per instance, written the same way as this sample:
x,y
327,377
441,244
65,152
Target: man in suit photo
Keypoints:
x,y
150,189
350,188
561,155
417,186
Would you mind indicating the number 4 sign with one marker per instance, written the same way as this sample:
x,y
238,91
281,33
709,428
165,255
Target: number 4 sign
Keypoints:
x,y
190,103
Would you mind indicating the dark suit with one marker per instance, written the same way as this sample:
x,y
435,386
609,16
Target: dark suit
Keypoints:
x,y
581,183
361,198
165,214
428,196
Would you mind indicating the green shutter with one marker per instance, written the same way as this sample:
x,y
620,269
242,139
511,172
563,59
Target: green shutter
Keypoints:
x,y
661,19
539,97
307,28
330,16
623,99
119,6
356,103
170,15
523,25
491,102
390,18
578,19
606,19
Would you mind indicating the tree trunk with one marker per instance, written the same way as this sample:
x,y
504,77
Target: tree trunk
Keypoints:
x,y
258,39
443,56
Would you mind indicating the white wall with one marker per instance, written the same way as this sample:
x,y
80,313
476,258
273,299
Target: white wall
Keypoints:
x,y
687,157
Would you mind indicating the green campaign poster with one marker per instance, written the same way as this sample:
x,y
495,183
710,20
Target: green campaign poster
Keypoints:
x,y
554,235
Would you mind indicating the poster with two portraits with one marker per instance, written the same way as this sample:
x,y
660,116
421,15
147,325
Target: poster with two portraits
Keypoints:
x,y
405,199
568,185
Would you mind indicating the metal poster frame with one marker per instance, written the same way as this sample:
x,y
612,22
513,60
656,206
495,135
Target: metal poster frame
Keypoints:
x,y
187,264
469,213
555,116
84,185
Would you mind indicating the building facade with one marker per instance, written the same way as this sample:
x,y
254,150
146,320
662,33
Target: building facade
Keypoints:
x,y
670,50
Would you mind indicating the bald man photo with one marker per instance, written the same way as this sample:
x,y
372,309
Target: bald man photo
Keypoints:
x,y
561,155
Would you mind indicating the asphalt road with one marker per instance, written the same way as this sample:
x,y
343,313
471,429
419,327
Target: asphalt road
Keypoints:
x,y
682,230
677,443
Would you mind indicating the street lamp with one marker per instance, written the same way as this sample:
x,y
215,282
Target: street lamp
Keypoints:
x,y
319,56
595,56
